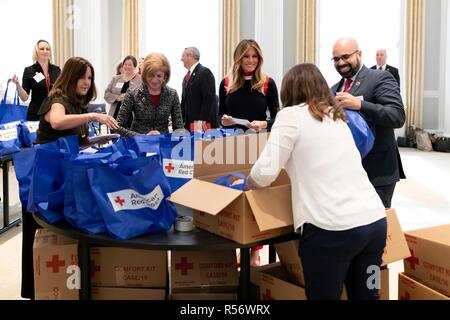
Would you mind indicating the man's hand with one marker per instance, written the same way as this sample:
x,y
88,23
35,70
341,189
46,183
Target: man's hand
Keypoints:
x,y
153,132
346,100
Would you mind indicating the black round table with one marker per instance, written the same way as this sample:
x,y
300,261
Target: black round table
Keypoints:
x,y
170,240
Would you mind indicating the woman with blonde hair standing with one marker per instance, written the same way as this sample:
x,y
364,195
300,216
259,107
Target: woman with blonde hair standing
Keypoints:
x,y
38,79
148,108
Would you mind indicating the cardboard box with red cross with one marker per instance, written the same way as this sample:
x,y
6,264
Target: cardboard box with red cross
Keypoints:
x,y
410,289
429,262
203,272
123,267
242,216
55,262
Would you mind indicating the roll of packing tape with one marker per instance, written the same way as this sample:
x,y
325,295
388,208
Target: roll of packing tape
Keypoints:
x,y
184,223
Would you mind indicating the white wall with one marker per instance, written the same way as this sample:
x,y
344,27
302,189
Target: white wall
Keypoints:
x,y
436,109
98,38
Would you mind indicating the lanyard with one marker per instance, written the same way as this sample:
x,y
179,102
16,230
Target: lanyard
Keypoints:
x,y
47,83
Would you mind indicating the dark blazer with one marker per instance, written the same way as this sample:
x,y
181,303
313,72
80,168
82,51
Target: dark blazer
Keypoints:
x,y
38,89
392,70
383,110
198,98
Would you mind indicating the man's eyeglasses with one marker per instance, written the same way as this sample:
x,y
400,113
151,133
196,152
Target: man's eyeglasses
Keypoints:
x,y
343,57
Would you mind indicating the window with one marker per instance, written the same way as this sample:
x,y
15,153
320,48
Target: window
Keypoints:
x,y
169,26
18,41
375,24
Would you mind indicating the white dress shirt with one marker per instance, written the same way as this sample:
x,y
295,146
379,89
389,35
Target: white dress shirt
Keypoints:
x,y
329,185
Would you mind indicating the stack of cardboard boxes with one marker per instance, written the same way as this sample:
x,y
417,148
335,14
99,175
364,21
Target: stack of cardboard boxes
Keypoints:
x,y
116,273
55,267
203,275
427,270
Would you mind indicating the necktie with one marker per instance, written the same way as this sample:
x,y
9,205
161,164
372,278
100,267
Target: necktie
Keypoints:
x,y
347,85
188,76
381,68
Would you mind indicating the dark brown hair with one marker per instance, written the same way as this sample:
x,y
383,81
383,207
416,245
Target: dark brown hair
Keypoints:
x,y
132,58
66,84
304,83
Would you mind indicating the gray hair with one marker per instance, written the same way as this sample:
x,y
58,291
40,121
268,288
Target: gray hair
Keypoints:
x,y
194,51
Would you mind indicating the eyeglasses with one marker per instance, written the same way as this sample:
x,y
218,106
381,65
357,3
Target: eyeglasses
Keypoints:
x,y
343,57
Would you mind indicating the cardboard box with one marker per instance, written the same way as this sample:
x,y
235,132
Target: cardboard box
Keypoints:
x,y
430,257
203,271
104,293
275,285
288,254
255,279
53,254
396,246
203,296
244,217
122,267
410,289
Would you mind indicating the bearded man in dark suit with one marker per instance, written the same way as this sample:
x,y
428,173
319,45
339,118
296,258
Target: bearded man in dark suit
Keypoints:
x,y
376,95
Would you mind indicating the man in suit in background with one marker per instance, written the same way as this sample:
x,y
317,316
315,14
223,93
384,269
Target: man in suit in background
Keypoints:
x,y
198,99
376,95
381,65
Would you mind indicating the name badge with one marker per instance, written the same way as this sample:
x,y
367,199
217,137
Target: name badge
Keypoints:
x,y
119,85
38,77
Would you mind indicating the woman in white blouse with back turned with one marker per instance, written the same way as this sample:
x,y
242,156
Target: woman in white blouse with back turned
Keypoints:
x,y
339,215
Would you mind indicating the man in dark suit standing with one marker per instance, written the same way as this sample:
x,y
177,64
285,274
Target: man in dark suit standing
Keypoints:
x,y
198,99
381,65
376,95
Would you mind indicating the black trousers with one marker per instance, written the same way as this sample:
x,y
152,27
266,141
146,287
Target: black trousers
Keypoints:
x,y
385,193
29,227
332,258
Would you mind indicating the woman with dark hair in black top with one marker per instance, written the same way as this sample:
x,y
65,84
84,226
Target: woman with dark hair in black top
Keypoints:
x,y
63,113
38,79
247,94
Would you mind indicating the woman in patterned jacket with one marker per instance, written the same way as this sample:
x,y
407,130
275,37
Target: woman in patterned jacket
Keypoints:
x,y
147,108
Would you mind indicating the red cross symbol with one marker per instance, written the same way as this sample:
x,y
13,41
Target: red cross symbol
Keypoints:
x,y
120,201
184,266
412,260
406,296
169,168
55,263
267,295
94,268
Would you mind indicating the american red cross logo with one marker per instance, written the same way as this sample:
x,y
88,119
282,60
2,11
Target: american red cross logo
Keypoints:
x,y
120,201
406,296
94,268
55,263
169,168
412,260
267,295
184,266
